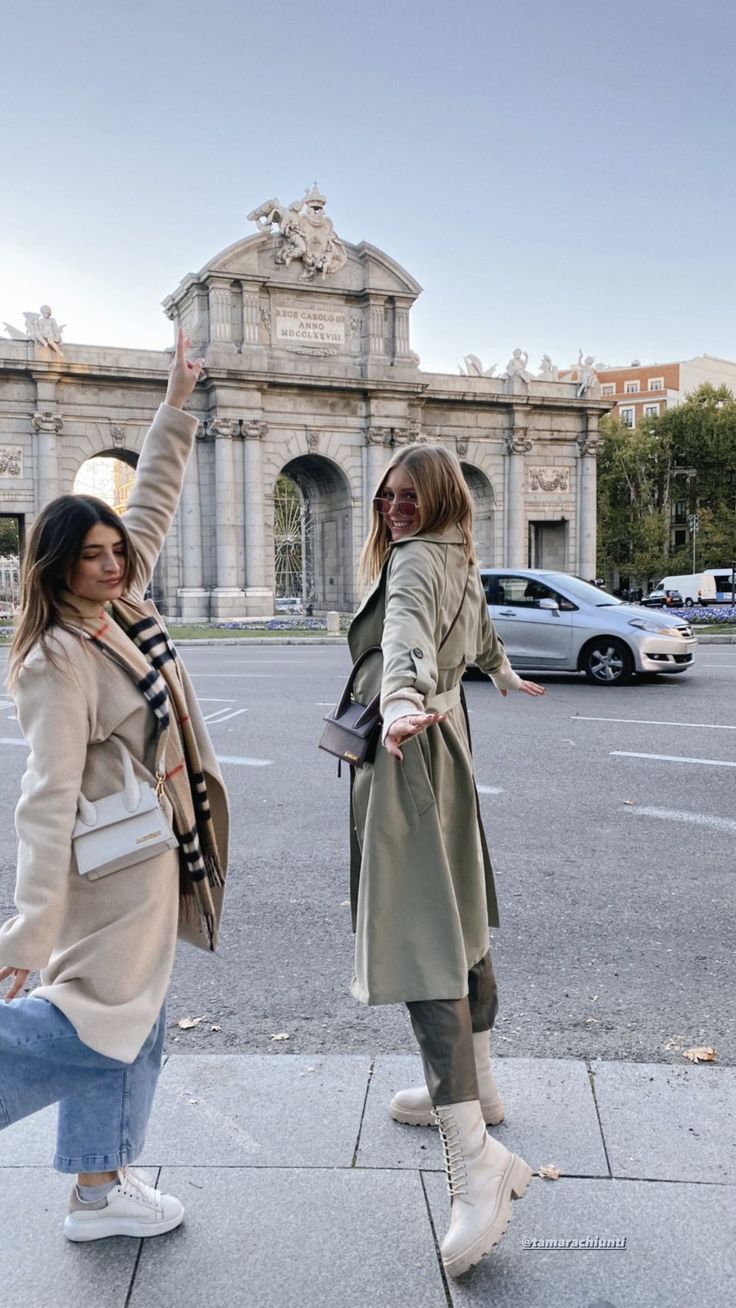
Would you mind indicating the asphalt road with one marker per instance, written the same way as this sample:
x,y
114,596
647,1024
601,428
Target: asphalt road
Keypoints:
x,y
611,819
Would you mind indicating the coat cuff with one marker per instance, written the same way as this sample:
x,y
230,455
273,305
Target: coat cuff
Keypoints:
x,y
398,706
186,422
504,678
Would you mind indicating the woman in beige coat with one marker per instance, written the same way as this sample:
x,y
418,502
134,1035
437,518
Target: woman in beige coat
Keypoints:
x,y
94,674
421,878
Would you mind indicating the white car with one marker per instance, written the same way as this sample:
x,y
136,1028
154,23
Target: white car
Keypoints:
x,y
551,621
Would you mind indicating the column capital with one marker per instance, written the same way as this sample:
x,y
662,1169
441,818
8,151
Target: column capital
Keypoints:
x,y
253,429
518,442
47,422
588,444
407,435
378,436
222,427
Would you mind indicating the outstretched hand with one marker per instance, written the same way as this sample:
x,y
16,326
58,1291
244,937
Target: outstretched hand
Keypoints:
x,y
404,728
183,374
528,688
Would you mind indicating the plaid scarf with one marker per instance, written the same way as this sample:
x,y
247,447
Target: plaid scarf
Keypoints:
x,y
136,639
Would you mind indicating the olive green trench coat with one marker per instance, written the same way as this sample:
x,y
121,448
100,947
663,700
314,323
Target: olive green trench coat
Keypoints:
x,y
422,887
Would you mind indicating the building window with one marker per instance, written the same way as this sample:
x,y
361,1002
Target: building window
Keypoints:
x,y
608,388
680,540
627,417
651,410
631,387
656,383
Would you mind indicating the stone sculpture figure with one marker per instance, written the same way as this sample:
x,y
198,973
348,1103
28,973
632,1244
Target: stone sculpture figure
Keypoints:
x,y
517,366
586,376
474,368
548,371
308,234
41,327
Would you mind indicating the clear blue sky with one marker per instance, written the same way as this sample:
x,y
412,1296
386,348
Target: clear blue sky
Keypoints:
x,y
556,173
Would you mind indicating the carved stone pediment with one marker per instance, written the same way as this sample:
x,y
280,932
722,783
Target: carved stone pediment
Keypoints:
x,y
548,479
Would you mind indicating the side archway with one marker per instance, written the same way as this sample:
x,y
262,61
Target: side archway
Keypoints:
x,y
313,534
109,475
484,507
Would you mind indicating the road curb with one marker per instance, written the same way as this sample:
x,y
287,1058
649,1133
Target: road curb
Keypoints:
x,y
262,640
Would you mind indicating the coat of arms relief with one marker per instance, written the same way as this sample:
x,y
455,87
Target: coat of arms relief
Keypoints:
x,y
307,232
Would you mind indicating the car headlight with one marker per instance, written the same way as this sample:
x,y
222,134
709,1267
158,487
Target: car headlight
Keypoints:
x,y
643,625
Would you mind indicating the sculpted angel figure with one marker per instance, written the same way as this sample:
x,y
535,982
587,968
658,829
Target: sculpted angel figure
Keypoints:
x,y
517,366
40,327
586,372
547,370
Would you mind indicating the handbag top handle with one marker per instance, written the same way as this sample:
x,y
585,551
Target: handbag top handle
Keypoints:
x,y
131,789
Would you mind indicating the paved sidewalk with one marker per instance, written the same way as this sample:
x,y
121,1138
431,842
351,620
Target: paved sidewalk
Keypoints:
x,y
301,1192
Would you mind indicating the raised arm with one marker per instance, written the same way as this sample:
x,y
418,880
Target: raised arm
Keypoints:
x,y
491,658
162,464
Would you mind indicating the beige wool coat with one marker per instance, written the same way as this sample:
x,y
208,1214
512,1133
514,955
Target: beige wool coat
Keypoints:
x,y
421,878
105,948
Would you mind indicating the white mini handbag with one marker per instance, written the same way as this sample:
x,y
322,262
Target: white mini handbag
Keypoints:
x,y
123,829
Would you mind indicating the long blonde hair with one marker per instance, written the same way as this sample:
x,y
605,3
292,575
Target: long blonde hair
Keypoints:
x,y
443,497
54,546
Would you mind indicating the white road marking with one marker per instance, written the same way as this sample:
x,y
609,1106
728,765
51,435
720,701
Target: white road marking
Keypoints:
x,y
489,790
215,699
224,715
13,740
655,722
674,758
233,676
678,815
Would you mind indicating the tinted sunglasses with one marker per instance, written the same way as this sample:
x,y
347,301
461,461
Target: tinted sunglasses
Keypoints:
x,y
404,508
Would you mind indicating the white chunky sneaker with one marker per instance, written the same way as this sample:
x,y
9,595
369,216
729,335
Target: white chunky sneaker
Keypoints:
x,y
414,1106
132,1207
482,1177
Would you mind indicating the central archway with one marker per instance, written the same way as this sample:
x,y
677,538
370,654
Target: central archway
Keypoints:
x,y
313,534
484,504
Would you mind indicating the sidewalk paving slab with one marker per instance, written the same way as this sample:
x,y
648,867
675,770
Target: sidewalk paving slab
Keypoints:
x,y
678,1248
667,1122
39,1268
258,1110
266,1238
550,1117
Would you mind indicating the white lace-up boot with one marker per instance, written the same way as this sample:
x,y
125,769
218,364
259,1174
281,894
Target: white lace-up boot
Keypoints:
x,y
414,1106
132,1207
482,1178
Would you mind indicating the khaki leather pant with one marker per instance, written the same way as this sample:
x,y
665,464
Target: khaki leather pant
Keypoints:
x,y
444,1029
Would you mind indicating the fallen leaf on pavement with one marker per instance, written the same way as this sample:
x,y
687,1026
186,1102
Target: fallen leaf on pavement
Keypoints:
x,y
630,803
700,1054
280,1035
186,1023
216,1027
550,1172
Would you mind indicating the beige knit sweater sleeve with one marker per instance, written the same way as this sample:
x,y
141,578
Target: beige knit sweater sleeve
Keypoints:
x,y
157,487
54,717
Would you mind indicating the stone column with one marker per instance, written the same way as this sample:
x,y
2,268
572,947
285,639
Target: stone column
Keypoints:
x,y
586,533
193,598
258,596
228,600
517,445
221,321
376,328
378,441
251,317
47,426
401,343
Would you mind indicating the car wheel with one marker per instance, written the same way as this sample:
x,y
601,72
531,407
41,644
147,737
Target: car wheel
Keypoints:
x,y
607,661
689,601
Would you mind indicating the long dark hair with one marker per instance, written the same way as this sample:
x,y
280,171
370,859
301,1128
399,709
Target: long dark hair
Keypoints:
x,y
54,546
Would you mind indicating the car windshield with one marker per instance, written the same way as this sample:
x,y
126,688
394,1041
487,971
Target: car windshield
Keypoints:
x,y
581,590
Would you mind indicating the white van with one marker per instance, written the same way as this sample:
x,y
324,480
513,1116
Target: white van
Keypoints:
x,y
693,586
723,581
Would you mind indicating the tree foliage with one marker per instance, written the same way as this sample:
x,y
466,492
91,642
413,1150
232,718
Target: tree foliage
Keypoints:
x,y
686,456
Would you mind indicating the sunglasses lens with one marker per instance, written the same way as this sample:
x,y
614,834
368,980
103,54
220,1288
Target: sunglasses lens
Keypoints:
x,y
404,508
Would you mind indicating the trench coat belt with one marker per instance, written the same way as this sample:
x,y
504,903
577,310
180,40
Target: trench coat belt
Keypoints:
x,y
444,701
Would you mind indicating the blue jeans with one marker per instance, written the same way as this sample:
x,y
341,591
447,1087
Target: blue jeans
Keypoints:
x,y
104,1105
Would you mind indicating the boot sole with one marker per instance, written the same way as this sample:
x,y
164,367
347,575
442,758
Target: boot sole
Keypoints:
x,y
101,1228
409,1118
516,1180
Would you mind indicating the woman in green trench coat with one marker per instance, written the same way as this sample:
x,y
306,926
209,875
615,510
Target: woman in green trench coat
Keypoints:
x,y
421,880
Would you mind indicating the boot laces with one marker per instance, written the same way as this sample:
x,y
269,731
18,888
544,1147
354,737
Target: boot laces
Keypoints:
x,y
457,1173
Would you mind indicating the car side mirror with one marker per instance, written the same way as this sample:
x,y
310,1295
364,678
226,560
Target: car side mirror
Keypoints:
x,y
550,604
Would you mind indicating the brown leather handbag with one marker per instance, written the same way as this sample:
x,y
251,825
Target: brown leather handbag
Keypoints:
x,y
353,729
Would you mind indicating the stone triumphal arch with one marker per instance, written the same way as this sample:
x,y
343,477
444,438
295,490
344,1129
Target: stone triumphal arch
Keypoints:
x,y
311,385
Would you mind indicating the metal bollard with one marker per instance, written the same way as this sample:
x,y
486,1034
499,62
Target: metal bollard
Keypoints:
x,y
333,623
